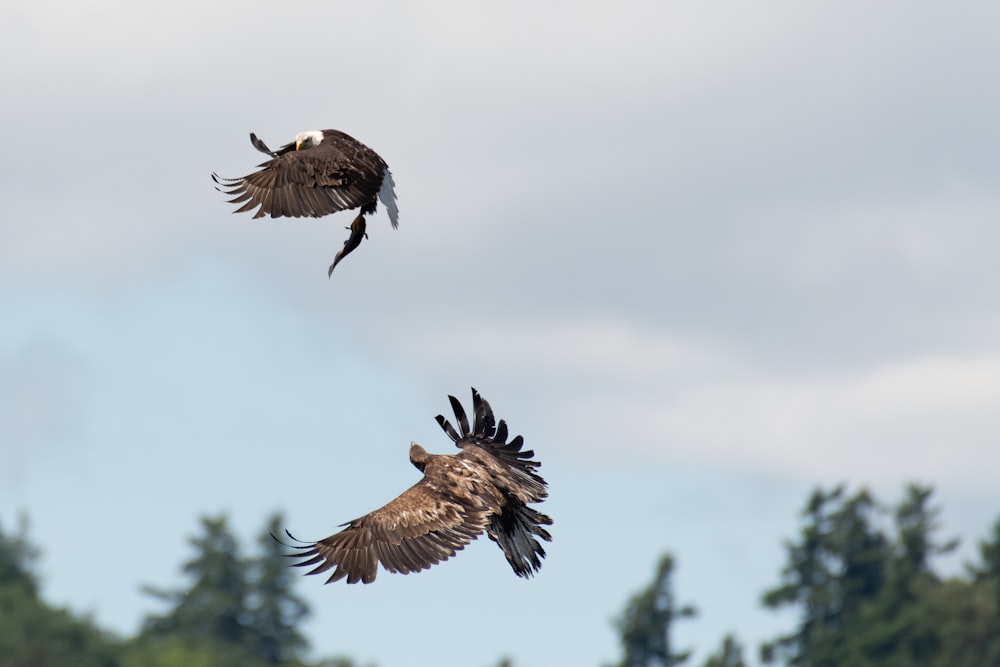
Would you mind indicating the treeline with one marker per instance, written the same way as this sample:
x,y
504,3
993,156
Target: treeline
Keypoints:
x,y
861,578
235,611
869,596
859,574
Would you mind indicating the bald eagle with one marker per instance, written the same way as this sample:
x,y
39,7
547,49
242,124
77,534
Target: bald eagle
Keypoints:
x,y
487,486
321,172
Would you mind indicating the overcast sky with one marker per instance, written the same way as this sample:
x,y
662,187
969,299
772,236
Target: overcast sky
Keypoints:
x,y
704,257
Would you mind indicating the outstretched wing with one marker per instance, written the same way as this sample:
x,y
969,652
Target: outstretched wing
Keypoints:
x,y
420,528
487,443
339,174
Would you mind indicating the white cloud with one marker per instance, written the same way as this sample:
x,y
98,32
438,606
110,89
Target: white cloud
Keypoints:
x,y
915,419
654,396
595,350
935,235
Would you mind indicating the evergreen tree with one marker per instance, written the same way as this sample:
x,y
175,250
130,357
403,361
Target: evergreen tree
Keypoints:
x,y
275,611
235,611
900,626
977,618
647,620
916,524
214,606
197,630
730,654
839,563
871,601
31,632
17,556
966,619
987,571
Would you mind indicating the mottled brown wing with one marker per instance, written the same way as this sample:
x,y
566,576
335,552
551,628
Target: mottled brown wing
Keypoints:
x,y
420,528
309,183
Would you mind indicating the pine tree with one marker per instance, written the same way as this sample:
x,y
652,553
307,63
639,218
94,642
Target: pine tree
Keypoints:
x,y
17,556
730,654
916,524
31,631
839,563
214,606
647,620
899,626
981,615
275,611
987,571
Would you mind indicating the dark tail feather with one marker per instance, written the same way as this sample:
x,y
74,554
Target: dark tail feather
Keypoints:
x,y
515,530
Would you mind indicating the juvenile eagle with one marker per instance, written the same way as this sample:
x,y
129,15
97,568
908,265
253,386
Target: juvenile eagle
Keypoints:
x,y
321,172
485,487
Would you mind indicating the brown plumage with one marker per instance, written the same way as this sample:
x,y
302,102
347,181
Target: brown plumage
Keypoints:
x,y
487,486
320,173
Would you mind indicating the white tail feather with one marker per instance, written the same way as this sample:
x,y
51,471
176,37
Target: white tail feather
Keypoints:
x,y
387,194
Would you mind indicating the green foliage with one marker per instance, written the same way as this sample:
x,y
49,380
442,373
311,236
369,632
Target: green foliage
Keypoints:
x,y
837,565
645,624
179,652
868,599
168,651
899,625
987,571
338,661
989,555
730,654
235,612
860,575
214,606
16,557
916,524
234,608
33,634
966,621
275,611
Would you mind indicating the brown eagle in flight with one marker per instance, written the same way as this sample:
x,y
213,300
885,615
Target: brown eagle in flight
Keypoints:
x,y
321,172
487,486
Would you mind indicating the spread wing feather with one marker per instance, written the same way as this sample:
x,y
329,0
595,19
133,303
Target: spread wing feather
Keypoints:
x,y
420,528
339,174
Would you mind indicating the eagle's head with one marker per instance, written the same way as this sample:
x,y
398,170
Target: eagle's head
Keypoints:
x,y
309,139
419,456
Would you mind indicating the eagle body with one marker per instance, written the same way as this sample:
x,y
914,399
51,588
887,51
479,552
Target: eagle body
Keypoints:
x,y
321,172
485,487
